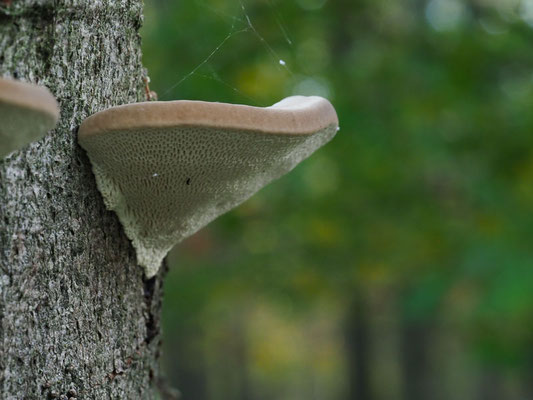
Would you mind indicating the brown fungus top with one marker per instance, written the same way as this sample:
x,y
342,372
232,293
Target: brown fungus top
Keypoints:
x,y
27,112
169,168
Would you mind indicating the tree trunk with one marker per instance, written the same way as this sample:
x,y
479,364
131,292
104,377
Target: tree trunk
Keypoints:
x,y
358,353
188,361
77,318
416,361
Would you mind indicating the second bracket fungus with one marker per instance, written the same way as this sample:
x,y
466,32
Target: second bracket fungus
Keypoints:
x,y
27,112
169,168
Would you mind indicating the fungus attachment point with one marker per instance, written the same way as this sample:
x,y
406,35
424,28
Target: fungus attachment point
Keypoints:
x,y
209,158
27,112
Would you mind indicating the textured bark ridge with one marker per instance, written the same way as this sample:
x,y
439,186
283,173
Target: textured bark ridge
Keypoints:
x,y
77,318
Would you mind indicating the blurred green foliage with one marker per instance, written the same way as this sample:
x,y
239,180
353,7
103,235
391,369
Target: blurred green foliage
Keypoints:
x,y
397,261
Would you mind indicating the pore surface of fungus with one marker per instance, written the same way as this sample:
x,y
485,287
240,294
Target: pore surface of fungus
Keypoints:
x,y
169,168
27,112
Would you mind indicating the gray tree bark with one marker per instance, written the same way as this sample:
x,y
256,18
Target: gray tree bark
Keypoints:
x,y
77,318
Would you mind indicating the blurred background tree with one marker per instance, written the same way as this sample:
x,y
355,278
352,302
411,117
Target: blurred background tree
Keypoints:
x,y
396,263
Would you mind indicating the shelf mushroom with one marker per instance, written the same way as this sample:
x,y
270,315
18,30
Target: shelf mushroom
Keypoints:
x,y
27,112
169,168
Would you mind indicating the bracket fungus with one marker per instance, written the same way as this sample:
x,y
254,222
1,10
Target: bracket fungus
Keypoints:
x,y
27,112
169,168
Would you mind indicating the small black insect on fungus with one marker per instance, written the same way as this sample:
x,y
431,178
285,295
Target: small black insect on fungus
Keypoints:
x,y
188,181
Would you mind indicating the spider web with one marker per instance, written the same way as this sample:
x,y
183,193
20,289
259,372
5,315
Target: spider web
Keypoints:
x,y
240,23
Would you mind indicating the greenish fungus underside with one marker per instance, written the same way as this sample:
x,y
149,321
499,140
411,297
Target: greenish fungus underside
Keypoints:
x,y
166,183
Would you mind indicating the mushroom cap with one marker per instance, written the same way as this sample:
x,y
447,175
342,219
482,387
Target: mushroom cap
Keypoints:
x,y
169,168
27,112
